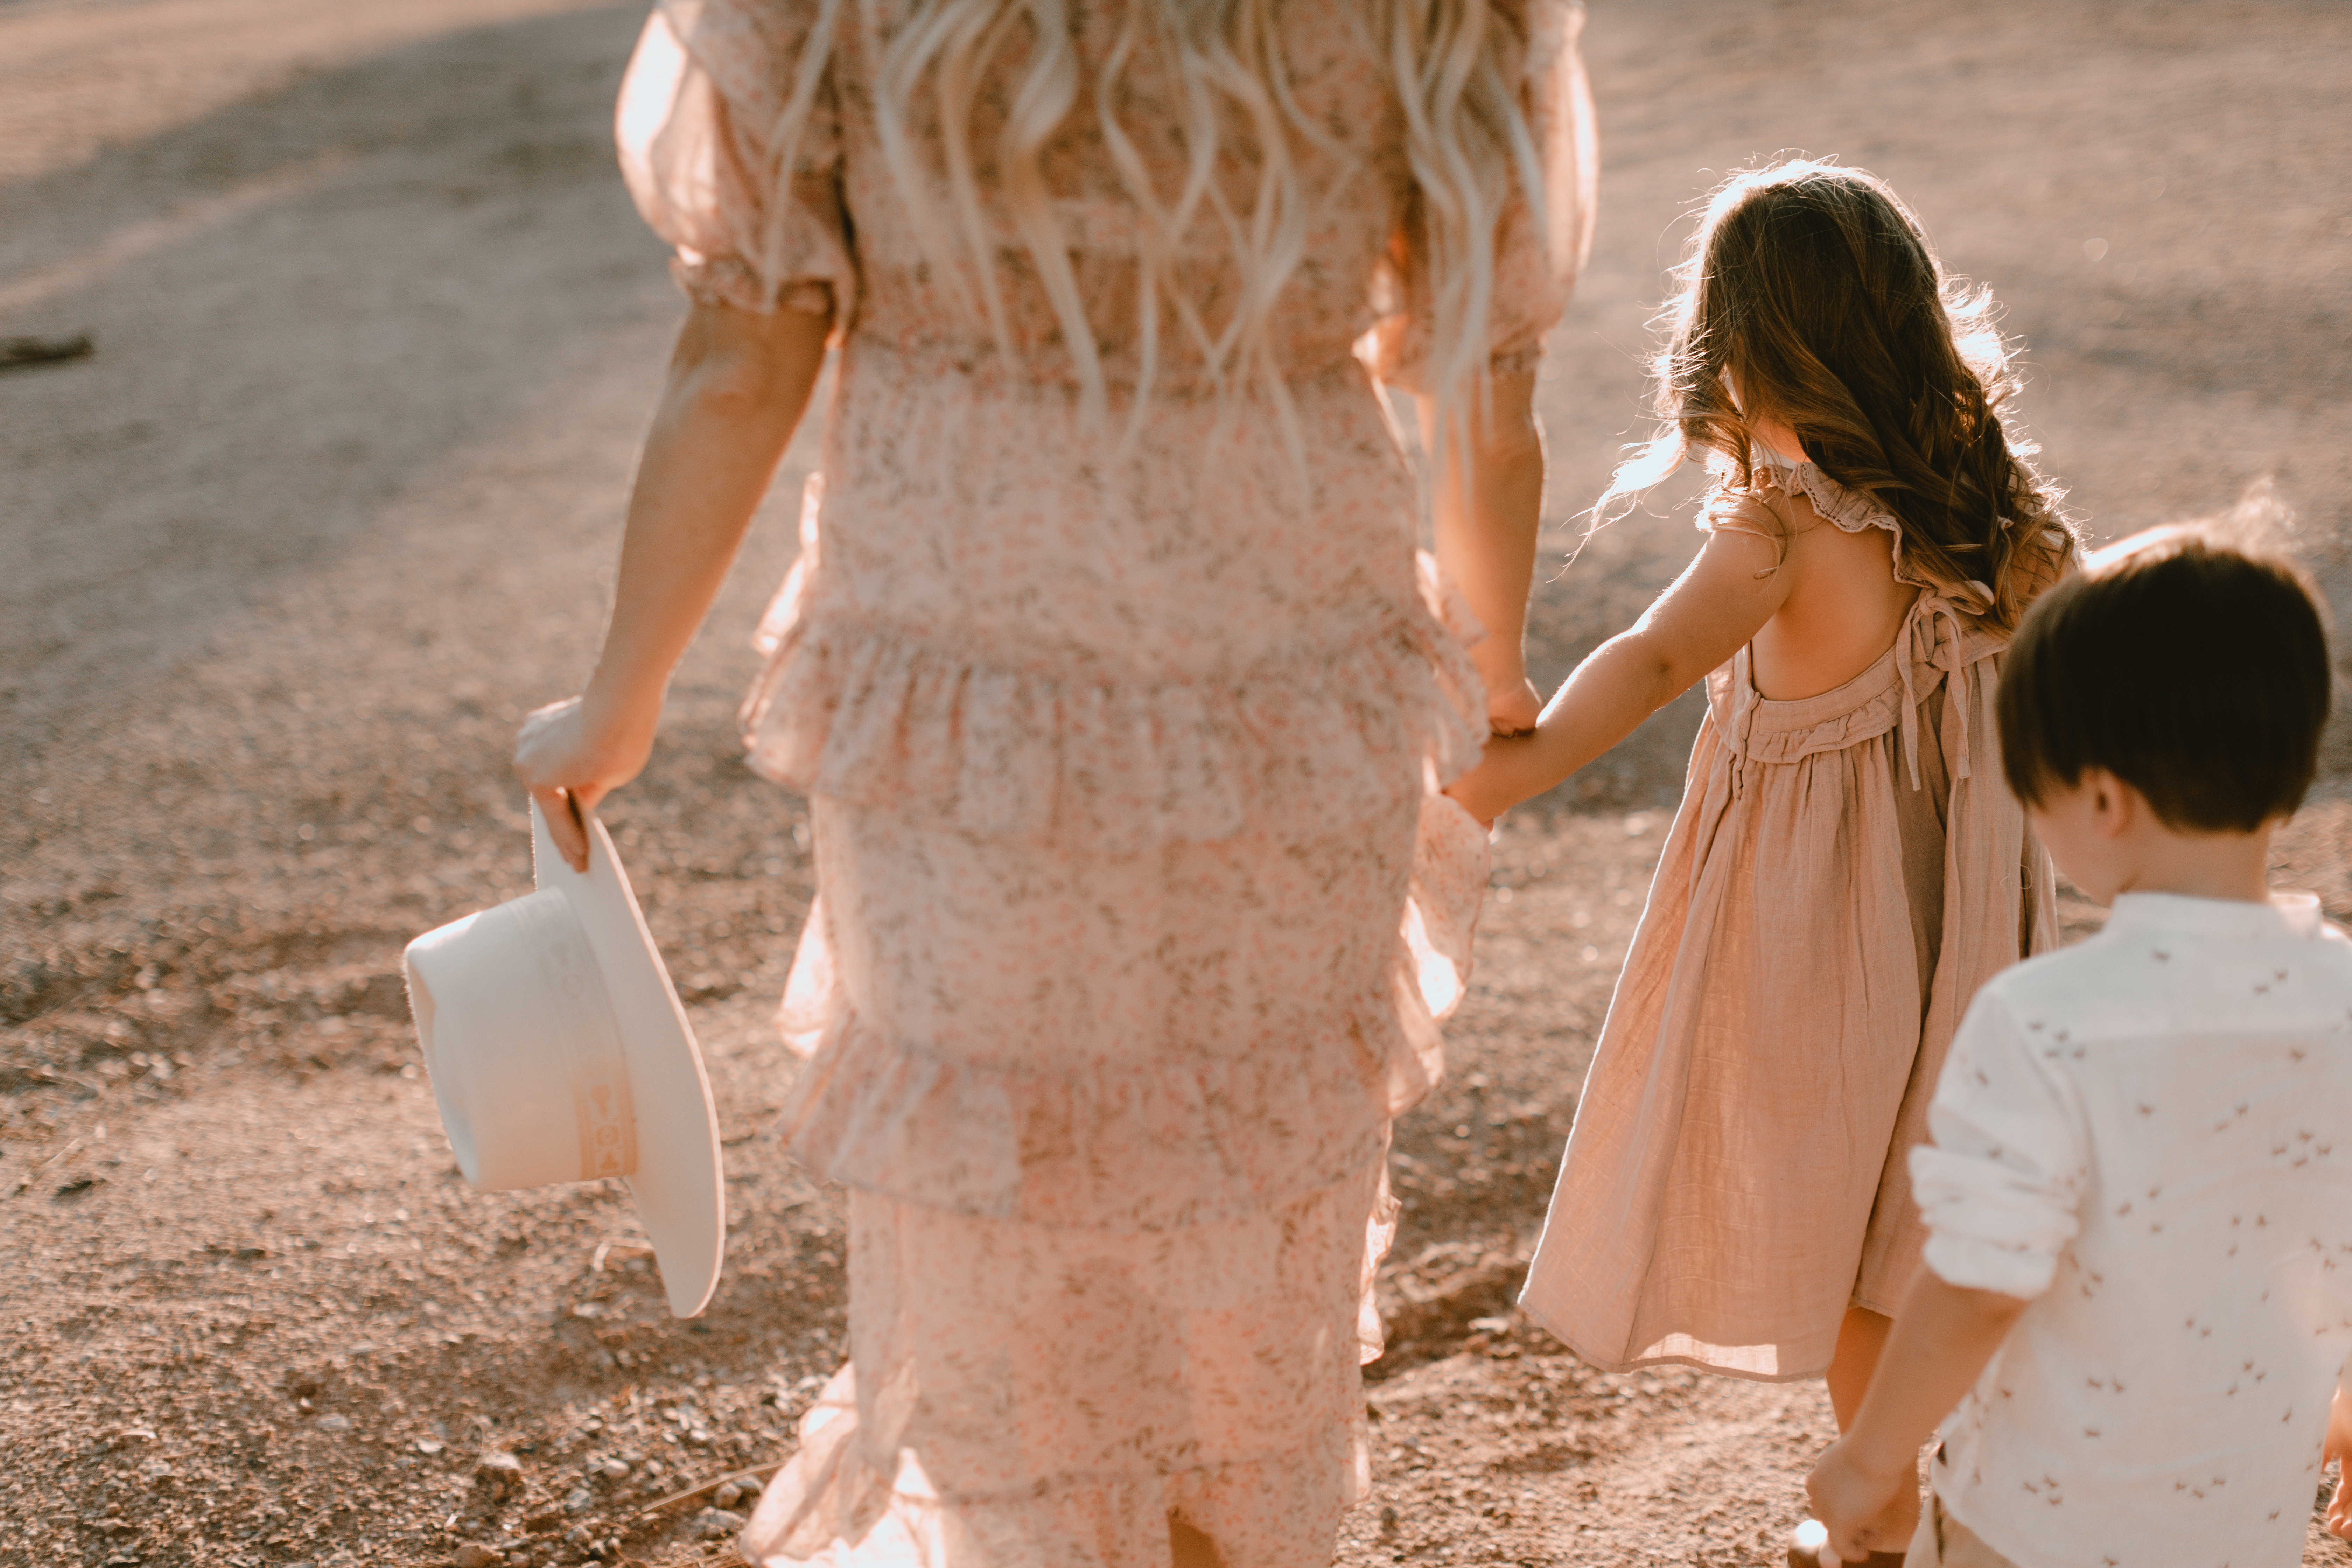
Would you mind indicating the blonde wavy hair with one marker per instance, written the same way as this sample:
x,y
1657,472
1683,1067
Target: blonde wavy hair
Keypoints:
x,y
1467,143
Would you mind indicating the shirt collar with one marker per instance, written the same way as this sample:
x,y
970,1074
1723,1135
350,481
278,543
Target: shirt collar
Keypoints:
x,y
2286,917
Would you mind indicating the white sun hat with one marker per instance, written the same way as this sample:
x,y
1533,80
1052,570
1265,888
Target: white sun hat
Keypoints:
x,y
559,1053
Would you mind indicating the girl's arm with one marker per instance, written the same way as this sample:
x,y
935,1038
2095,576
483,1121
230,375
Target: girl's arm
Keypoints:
x,y
737,385
1942,1339
1486,495
1720,601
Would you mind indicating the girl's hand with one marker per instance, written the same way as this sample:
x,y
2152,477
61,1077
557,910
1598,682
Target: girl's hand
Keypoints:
x,y
570,755
2339,1451
1860,1508
1494,785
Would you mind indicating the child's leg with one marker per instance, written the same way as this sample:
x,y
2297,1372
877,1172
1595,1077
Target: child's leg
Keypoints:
x,y
1861,1337
1188,1548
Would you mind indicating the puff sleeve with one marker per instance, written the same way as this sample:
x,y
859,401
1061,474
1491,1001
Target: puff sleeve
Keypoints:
x,y
2000,1187
1539,248
730,137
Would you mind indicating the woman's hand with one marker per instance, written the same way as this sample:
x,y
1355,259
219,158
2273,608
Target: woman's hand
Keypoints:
x,y
1513,704
570,755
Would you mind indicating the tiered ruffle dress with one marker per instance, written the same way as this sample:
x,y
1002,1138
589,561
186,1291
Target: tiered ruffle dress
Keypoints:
x,y
1845,871
1137,903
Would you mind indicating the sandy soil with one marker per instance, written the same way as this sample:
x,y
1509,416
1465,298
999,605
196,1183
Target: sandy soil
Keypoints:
x,y
335,503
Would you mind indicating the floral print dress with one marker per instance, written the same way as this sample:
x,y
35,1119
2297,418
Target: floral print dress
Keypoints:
x,y
1136,905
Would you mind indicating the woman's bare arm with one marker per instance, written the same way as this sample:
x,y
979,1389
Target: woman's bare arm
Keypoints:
x,y
1486,492
739,382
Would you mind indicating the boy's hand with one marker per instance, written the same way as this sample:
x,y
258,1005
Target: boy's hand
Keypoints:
x,y
1863,1509
2339,1451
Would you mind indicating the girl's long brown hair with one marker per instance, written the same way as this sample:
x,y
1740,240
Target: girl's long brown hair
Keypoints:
x,y
1812,292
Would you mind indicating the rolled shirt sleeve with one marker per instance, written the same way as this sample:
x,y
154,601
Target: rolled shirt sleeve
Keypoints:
x,y
2000,1186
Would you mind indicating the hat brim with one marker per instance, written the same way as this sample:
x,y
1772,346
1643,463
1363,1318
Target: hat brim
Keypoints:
x,y
679,1185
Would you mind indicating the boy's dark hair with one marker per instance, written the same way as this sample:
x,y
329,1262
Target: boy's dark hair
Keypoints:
x,y
2191,668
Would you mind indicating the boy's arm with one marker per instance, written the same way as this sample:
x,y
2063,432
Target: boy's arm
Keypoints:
x,y
1943,1337
1999,1189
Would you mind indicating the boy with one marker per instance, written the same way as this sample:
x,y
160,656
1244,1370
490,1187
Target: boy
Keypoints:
x,y
2139,1193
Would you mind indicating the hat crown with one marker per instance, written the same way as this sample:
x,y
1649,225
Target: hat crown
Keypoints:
x,y
559,1053
521,1045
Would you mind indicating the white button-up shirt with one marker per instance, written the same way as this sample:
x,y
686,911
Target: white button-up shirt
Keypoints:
x,y
2149,1136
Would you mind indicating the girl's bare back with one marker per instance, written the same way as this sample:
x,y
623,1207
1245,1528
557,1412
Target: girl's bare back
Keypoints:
x,y
1843,610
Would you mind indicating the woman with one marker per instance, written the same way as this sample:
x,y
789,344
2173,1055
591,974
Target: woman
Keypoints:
x,y
1115,687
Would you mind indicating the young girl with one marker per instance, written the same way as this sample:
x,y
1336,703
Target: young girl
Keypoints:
x,y
1845,867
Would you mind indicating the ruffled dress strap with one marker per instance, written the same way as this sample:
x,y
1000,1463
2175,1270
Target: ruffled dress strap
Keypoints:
x,y
1939,645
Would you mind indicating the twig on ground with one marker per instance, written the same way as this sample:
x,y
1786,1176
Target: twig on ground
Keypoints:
x,y
757,1472
59,1155
633,1246
18,351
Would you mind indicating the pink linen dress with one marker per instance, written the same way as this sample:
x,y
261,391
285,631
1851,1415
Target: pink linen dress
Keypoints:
x,y
1137,904
1845,871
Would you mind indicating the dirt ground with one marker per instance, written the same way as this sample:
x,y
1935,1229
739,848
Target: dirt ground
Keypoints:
x,y
335,502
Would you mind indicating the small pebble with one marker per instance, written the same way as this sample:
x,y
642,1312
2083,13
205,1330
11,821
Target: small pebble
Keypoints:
x,y
578,1501
428,1445
728,1495
334,1423
699,1438
474,1554
501,1473
614,1470
713,1522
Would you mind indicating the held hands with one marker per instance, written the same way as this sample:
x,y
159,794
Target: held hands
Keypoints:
x,y
1513,706
1863,1508
1495,784
572,754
